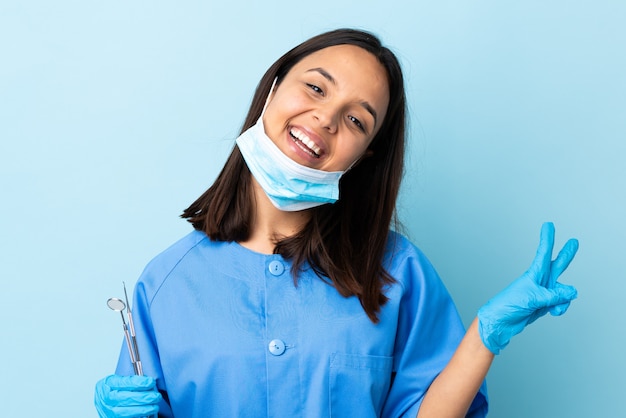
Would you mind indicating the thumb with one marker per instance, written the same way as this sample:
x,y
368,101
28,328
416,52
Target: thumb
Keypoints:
x,y
561,295
566,290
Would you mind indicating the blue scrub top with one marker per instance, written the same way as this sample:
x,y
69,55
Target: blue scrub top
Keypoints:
x,y
226,333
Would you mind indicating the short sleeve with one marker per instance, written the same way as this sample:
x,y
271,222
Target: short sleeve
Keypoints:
x,y
429,331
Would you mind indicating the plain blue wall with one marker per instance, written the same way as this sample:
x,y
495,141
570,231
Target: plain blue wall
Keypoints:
x,y
115,115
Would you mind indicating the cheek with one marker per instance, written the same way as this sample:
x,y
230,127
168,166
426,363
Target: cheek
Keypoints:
x,y
280,112
350,152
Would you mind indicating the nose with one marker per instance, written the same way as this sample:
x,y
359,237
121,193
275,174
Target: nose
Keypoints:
x,y
327,117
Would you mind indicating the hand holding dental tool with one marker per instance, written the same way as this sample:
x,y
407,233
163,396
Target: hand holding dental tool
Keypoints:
x,y
528,298
127,396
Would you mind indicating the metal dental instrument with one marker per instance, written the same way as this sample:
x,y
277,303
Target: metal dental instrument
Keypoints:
x,y
118,305
133,338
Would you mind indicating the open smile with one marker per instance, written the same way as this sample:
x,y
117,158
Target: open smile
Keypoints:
x,y
305,143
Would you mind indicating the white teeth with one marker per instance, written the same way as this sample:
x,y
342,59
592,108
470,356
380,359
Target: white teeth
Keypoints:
x,y
298,134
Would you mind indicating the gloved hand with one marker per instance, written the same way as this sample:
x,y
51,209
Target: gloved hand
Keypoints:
x,y
529,297
126,396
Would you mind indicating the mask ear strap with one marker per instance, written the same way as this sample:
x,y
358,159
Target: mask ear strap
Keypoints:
x,y
267,101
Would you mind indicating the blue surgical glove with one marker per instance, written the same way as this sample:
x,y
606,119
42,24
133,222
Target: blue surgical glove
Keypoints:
x,y
529,297
126,396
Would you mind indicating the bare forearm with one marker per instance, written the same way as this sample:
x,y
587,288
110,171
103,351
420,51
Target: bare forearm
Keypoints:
x,y
452,392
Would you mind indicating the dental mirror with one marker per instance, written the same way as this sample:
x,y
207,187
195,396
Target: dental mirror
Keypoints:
x,y
116,304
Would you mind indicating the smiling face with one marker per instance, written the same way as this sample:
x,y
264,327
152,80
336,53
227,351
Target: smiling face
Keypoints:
x,y
327,109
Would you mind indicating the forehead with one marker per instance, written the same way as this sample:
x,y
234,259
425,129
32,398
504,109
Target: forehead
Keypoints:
x,y
356,72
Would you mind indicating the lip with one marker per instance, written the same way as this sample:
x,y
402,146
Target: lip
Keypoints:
x,y
301,150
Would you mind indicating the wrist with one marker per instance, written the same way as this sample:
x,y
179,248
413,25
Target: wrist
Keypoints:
x,y
476,340
489,335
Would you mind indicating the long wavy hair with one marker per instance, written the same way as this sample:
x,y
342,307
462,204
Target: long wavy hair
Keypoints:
x,y
343,242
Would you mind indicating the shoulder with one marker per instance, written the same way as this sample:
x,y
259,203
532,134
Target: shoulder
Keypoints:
x,y
161,266
177,251
408,264
400,250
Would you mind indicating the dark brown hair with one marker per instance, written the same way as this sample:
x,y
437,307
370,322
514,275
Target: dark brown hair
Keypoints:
x,y
343,242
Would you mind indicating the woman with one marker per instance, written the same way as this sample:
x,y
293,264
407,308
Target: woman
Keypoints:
x,y
292,297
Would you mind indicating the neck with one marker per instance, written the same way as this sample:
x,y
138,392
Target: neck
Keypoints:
x,y
270,224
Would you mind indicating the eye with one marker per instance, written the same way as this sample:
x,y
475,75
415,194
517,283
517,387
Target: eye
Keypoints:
x,y
316,89
357,123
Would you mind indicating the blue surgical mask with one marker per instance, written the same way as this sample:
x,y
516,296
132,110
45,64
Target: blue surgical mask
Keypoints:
x,y
289,186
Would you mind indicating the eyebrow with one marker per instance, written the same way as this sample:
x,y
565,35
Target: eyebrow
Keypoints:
x,y
332,80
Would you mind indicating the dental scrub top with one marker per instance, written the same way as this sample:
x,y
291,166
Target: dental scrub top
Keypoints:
x,y
227,333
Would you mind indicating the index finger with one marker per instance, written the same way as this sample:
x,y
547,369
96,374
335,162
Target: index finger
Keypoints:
x,y
540,267
134,382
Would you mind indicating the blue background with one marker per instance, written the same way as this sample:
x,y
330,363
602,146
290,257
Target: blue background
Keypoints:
x,y
115,115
